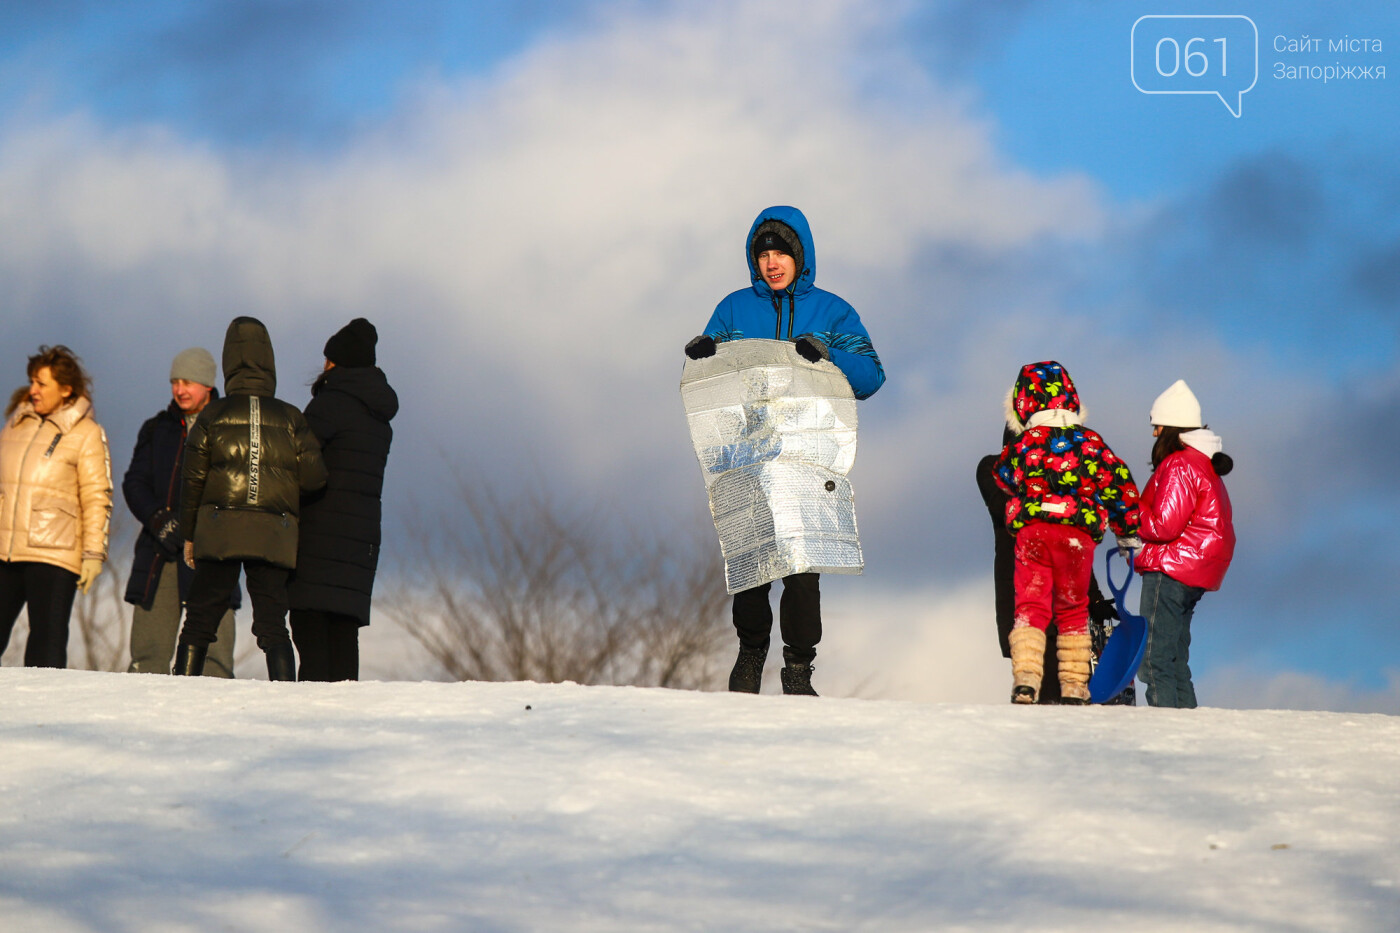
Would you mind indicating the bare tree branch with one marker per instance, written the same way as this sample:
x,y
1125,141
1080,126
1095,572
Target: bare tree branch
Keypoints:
x,y
528,590
100,619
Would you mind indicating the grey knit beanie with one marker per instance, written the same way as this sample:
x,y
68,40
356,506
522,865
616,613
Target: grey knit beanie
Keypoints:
x,y
195,365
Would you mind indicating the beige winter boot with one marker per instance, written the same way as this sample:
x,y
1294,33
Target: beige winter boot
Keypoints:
x,y
1027,663
1073,652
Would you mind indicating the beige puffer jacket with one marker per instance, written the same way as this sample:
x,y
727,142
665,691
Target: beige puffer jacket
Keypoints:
x,y
55,487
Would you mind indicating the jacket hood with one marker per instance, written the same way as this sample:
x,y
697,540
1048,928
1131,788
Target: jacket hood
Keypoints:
x,y
249,366
1043,394
366,383
794,220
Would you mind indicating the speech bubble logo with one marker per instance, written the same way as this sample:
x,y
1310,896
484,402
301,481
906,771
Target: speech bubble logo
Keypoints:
x,y
1217,55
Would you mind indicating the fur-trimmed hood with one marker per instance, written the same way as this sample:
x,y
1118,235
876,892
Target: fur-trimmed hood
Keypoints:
x,y
1043,395
792,225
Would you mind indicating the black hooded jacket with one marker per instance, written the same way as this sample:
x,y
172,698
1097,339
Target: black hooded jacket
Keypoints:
x,y
338,553
248,460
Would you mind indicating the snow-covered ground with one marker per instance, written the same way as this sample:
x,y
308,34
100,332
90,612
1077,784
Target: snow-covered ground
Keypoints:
x,y
145,803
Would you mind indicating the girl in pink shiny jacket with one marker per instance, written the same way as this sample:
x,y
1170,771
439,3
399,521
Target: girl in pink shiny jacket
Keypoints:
x,y
1188,538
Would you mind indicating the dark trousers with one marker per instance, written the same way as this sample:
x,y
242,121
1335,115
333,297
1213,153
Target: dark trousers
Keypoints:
x,y
328,645
212,588
799,617
1168,606
48,593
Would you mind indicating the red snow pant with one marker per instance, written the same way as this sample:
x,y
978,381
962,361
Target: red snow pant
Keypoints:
x,y
1054,564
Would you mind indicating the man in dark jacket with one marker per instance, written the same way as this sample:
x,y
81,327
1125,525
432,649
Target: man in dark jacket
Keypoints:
x,y
160,581
248,461
338,549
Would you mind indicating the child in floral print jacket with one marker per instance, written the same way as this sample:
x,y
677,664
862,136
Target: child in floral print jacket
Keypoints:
x,y
1066,487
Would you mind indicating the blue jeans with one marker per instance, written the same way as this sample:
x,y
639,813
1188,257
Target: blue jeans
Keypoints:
x,y
1167,606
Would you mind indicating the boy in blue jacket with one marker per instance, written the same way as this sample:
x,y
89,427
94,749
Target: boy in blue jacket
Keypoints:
x,y
782,303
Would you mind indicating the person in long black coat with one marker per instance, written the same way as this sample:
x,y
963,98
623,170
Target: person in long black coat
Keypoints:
x,y
351,406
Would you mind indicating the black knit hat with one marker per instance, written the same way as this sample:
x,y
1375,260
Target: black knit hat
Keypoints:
x,y
353,344
774,234
768,238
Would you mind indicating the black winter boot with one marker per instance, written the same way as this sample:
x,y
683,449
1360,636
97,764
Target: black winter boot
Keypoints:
x,y
189,660
747,676
281,662
797,680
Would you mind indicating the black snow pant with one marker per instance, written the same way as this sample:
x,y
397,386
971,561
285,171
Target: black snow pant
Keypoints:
x,y
47,591
799,617
328,645
213,584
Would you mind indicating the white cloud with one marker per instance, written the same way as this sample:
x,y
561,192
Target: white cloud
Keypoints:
x,y
537,244
1240,687
931,644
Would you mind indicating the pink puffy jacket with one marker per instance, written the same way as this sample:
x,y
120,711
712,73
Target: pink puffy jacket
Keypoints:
x,y
1187,527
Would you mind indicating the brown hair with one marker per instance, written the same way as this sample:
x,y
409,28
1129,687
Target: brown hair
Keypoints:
x,y
67,371
1168,443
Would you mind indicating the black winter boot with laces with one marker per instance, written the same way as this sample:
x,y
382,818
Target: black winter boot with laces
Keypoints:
x,y
747,675
797,680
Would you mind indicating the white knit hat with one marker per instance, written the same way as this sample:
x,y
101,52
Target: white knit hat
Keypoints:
x,y
1177,407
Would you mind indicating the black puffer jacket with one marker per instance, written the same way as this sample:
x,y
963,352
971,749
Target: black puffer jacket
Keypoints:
x,y
249,459
338,552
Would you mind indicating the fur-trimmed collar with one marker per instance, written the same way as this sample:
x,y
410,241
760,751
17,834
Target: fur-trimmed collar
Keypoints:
x,y
1054,417
66,418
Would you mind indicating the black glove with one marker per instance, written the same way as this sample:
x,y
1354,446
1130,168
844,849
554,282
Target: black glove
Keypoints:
x,y
700,347
165,527
811,349
1103,611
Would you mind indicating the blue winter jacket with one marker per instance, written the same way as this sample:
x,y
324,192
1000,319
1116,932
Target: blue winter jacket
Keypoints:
x,y
799,310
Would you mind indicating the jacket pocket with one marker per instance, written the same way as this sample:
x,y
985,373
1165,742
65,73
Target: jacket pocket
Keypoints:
x,y
53,523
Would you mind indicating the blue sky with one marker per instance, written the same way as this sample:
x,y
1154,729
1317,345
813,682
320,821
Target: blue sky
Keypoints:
x,y
540,202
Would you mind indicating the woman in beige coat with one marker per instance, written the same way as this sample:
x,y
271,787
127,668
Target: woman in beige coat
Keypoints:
x,y
55,503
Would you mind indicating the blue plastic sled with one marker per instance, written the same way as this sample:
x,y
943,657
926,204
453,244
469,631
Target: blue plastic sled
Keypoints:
x,y
1122,655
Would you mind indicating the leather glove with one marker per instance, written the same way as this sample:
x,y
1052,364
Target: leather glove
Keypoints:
x,y
189,554
1126,547
700,347
165,527
812,349
88,575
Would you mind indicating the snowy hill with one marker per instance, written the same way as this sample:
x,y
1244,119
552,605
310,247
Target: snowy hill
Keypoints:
x,y
140,803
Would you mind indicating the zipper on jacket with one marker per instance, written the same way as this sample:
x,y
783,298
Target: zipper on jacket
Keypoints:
x,y
23,463
778,310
